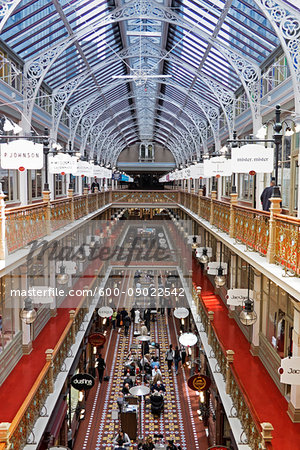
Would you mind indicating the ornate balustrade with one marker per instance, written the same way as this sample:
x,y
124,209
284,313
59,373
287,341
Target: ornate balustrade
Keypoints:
x,y
221,216
60,213
25,224
92,202
144,197
287,242
79,206
251,227
242,408
205,207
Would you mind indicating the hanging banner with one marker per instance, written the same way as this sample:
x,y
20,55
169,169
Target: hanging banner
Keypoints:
x,y
289,370
62,163
98,171
197,171
212,267
253,158
217,166
237,297
21,153
84,168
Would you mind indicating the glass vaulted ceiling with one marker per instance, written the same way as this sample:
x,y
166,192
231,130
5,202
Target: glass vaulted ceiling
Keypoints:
x,y
143,107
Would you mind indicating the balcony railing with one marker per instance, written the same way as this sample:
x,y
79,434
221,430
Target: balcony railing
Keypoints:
x,y
242,408
275,236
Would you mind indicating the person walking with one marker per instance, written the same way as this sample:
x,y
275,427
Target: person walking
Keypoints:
x,y
266,194
101,367
183,354
170,357
177,359
113,319
127,322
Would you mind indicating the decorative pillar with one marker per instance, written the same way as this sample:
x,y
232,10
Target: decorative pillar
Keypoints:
x,y
257,294
46,198
4,434
233,201
294,403
49,359
71,196
275,209
233,270
3,247
26,328
266,434
72,313
86,193
213,197
209,330
23,180
229,361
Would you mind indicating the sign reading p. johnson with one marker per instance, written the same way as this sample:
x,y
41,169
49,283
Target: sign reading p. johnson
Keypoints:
x,y
199,383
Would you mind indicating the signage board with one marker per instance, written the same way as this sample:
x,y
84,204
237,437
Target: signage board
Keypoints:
x,y
237,297
84,168
289,370
199,251
191,239
82,381
217,166
253,157
212,268
199,382
97,339
98,171
21,153
70,267
197,171
62,163
105,311
42,294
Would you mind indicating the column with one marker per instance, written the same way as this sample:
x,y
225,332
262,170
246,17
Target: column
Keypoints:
x,y
257,294
23,192
259,188
294,404
219,188
26,328
275,209
52,283
233,266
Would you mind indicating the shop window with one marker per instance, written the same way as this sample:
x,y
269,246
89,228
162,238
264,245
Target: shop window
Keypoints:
x,y
246,187
146,152
8,326
36,183
60,185
10,184
226,189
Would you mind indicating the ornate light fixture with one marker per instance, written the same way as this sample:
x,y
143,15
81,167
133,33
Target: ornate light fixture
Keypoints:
x,y
220,279
62,277
28,313
248,316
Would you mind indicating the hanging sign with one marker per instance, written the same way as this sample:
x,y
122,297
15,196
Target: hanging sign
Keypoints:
x,y
105,311
237,297
199,251
253,158
199,382
98,171
217,166
70,267
289,370
197,171
21,154
212,267
97,339
194,239
82,381
84,169
62,163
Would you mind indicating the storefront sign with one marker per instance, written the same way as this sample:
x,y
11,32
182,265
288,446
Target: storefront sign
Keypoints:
x,y
217,166
97,339
105,311
212,268
253,157
289,370
21,153
197,171
82,381
84,169
62,163
237,297
199,383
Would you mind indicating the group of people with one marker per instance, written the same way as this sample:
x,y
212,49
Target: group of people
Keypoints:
x,y
122,442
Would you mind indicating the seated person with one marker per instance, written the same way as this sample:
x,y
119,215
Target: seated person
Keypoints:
x,y
125,389
172,446
155,362
156,378
144,329
119,445
158,387
149,445
121,438
155,371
